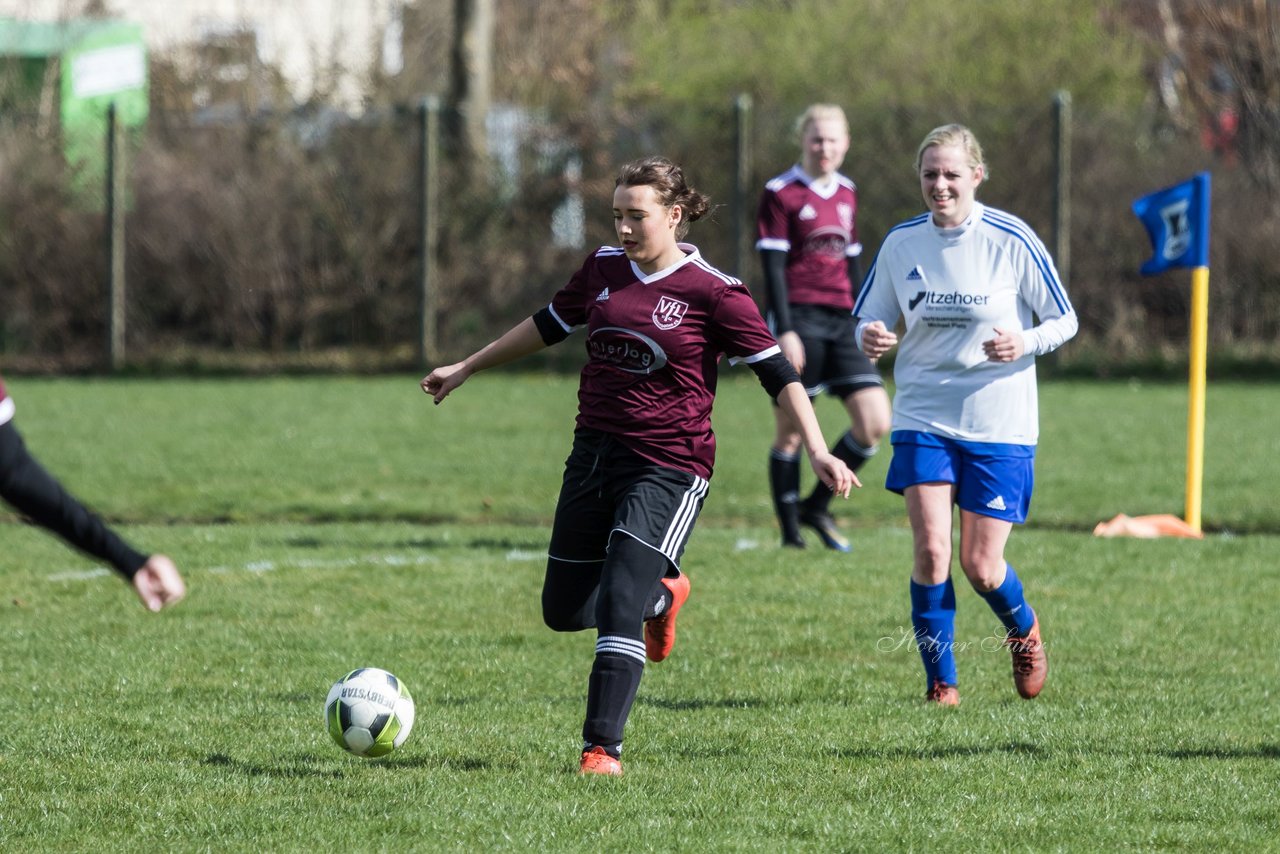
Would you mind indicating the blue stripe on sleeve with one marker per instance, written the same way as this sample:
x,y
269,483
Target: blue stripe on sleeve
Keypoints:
x,y
1019,229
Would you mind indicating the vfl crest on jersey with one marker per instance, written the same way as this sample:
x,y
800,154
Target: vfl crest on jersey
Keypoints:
x,y
846,215
669,312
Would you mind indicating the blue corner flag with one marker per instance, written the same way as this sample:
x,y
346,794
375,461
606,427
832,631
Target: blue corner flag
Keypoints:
x,y
1177,219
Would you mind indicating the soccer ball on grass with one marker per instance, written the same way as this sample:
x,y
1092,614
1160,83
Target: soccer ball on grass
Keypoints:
x,y
369,712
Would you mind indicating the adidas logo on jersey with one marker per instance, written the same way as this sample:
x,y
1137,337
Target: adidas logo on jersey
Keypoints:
x,y
604,296
997,503
807,212
914,275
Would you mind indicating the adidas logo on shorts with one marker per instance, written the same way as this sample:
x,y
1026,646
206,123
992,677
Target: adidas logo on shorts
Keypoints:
x,y
997,503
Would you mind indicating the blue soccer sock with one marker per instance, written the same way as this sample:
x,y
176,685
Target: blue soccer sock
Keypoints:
x,y
933,615
1010,605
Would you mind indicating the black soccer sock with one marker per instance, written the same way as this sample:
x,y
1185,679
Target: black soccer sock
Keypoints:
x,y
610,692
853,455
35,493
784,484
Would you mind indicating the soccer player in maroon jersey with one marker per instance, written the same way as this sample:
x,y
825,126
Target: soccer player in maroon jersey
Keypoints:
x,y
32,491
658,319
808,244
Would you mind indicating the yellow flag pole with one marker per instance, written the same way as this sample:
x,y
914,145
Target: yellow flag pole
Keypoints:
x,y
1195,413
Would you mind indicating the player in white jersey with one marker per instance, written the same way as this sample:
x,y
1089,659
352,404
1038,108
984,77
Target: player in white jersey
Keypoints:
x,y
968,283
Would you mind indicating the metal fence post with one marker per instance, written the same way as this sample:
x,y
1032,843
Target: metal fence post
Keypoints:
x,y
115,209
1062,184
428,182
741,192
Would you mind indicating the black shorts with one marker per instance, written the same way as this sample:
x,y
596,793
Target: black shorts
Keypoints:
x,y
832,361
609,489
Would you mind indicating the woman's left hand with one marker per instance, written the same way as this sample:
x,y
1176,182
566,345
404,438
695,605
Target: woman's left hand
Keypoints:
x,y
832,471
1005,347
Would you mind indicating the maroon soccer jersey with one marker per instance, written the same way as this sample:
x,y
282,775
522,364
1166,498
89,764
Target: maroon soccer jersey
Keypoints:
x,y
653,346
819,233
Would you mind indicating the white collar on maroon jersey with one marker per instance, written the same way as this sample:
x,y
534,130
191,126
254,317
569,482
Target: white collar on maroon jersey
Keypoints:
x,y
824,190
690,254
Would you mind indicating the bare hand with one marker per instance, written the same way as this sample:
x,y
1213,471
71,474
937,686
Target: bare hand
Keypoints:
x,y
158,583
877,340
832,471
441,381
793,349
1005,347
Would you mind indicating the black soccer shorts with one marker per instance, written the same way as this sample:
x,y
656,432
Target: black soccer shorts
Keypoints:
x,y
609,489
832,361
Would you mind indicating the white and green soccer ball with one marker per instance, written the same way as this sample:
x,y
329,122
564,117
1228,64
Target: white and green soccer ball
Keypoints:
x,y
369,712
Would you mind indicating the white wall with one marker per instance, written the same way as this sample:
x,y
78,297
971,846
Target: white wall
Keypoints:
x,y
303,37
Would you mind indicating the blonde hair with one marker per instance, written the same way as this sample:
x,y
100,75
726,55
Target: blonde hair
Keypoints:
x,y
816,113
959,136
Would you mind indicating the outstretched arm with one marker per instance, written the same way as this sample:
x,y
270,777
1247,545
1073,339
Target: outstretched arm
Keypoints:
x,y
33,491
521,340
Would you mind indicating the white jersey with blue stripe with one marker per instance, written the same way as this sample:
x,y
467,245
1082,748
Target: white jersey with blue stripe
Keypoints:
x,y
953,287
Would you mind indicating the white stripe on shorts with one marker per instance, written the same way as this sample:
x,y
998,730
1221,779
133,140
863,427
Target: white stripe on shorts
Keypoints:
x,y
682,519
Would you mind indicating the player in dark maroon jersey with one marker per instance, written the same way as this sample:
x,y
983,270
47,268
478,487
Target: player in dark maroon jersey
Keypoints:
x,y
808,243
658,319
33,492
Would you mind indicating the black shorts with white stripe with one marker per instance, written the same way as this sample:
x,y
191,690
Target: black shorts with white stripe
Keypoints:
x,y
609,489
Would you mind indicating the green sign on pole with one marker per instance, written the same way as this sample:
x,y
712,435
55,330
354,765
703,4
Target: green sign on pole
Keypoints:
x,y
80,68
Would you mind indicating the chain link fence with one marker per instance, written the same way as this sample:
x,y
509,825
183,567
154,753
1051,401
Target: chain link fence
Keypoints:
x,y
274,242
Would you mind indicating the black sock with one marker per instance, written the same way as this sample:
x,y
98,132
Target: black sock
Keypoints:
x,y
853,455
610,692
784,483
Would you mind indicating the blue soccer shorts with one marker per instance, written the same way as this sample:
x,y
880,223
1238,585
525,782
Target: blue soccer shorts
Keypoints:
x,y
991,479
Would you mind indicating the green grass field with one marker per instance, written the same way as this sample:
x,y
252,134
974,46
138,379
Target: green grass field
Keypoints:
x,y
330,523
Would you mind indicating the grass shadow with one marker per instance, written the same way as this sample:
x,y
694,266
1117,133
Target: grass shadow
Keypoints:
x,y
316,767
693,705
1265,751
483,543
1020,748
